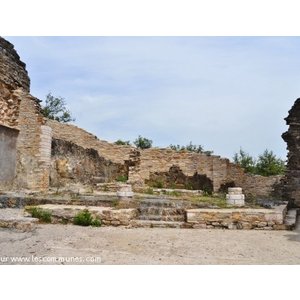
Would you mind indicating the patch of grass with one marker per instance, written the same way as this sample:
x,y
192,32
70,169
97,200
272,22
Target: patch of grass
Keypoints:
x,y
158,184
84,218
122,178
149,191
43,215
172,193
210,201
115,202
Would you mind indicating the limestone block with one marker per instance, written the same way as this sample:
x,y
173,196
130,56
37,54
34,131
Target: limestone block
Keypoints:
x,y
125,191
235,197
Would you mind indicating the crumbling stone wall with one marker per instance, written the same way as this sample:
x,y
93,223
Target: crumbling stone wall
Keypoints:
x,y
115,153
12,70
154,165
292,138
71,163
21,111
87,156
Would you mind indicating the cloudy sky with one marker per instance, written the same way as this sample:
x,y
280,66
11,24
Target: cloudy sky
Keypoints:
x,y
221,92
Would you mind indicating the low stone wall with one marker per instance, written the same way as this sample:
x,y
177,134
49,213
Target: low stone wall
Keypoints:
x,y
238,218
107,215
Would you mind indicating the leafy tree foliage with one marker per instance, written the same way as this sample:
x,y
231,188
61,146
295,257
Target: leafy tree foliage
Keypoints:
x,y
143,143
267,163
191,148
55,109
246,161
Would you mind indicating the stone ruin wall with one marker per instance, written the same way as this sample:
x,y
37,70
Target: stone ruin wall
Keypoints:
x,y
72,164
292,138
219,170
86,140
142,163
20,111
76,151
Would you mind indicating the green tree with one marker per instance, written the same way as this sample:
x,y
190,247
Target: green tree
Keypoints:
x,y
55,109
122,143
268,164
143,143
191,148
246,161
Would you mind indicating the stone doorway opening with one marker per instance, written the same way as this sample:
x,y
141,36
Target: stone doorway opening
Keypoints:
x,y
8,143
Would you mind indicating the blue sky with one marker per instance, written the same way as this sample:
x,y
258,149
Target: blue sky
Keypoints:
x,y
221,92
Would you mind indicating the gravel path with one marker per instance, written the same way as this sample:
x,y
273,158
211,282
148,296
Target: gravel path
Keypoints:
x,y
72,244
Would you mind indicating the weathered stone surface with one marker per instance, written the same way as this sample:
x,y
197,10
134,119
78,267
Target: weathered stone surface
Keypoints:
x,y
12,70
108,216
235,197
292,138
72,163
241,218
21,111
14,218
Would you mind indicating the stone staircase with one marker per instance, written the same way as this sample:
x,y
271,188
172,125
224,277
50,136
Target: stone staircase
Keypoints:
x,y
160,213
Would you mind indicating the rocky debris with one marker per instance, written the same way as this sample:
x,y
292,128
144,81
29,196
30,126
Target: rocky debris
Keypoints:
x,y
15,218
292,138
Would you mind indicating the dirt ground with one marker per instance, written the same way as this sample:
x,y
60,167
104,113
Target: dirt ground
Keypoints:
x,y
69,244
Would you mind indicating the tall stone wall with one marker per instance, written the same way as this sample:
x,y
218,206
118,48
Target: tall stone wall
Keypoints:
x,y
292,138
34,140
21,111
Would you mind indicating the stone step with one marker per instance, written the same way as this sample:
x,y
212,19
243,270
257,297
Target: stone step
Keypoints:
x,y
15,218
171,218
163,211
156,224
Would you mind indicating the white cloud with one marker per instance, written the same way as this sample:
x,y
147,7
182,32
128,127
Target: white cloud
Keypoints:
x,y
220,92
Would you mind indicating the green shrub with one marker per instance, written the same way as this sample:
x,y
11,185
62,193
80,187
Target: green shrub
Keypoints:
x,y
158,184
84,218
44,216
143,143
122,178
122,143
149,191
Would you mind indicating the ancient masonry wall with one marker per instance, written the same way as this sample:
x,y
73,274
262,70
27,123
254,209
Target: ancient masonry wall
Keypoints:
x,y
142,163
33,146
292,138
220,170
80,137
20,111
74,164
